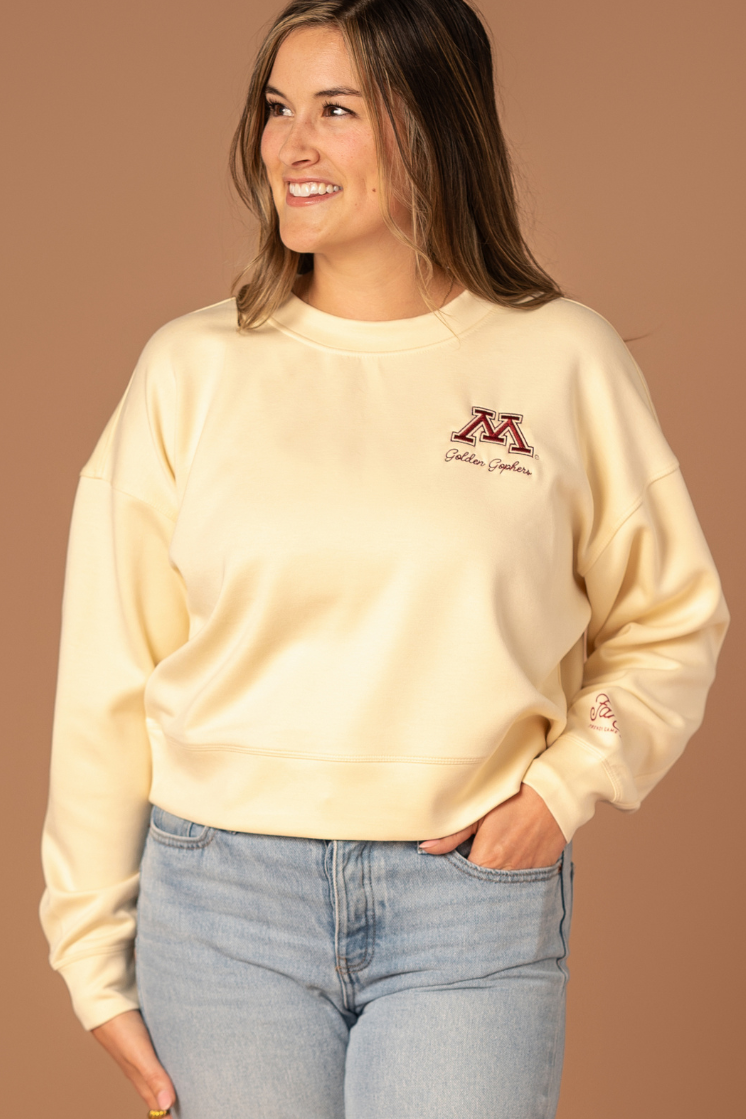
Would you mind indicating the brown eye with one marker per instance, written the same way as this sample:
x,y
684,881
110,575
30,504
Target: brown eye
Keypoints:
x,y
338,110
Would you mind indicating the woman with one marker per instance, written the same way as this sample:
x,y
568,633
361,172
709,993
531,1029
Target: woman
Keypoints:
x,y
386,558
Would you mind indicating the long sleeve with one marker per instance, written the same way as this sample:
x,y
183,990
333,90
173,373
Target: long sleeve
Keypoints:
x,y
123,612
658,620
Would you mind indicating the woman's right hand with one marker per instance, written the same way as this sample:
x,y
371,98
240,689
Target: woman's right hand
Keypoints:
x,y
127,1039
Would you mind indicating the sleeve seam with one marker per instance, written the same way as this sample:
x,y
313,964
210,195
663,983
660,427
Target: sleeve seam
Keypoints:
x,y
625,516
127,493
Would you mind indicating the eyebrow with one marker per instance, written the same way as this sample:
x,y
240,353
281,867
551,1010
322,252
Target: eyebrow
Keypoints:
x,y
338,91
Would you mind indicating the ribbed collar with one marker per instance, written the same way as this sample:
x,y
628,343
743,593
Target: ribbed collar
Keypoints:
x,y
297,318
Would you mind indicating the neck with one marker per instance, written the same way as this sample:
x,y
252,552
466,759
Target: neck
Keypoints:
x,y
373,287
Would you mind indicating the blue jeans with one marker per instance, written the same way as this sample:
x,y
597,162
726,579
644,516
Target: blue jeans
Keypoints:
x,y
288,978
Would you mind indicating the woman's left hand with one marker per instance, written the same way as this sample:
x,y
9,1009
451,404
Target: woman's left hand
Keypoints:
x,y
518,834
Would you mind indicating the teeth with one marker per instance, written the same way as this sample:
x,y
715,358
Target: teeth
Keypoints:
x,y
303,190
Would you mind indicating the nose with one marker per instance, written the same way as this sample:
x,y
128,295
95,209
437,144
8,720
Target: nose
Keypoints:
x,y
298,147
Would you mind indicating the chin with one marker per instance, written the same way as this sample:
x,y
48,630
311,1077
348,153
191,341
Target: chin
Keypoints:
x,y
300,241
301,244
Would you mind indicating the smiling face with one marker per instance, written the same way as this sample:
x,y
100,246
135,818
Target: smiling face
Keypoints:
x,y
319,150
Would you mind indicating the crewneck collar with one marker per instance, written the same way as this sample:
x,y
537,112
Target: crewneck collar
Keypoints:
x,y
298,318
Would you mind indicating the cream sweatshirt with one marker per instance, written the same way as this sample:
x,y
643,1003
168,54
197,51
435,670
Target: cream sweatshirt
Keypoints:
x,y
359,580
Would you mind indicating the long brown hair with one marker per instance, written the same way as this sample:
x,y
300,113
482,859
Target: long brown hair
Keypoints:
x,y
426,66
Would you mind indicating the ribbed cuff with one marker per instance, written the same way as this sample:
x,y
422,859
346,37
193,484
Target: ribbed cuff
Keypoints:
x,y
570,777
101,986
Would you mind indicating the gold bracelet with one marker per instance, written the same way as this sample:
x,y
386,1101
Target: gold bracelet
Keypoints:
x,y
156,1114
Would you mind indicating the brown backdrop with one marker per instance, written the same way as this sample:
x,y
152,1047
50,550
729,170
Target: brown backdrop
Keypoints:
x,y
627,122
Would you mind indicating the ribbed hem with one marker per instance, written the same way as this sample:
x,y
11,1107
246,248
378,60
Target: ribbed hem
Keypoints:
x,y
277,792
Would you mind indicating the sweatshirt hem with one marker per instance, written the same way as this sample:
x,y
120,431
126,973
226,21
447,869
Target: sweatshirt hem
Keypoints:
x,y
337,797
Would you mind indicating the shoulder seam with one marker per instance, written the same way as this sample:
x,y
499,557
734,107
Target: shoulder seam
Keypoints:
x,y
629,511
126,493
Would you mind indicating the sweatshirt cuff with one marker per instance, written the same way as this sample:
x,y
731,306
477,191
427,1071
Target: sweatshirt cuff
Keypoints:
x,y
101,987
570,776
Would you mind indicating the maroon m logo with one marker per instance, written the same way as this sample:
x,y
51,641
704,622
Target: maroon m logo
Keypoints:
x,y
507,429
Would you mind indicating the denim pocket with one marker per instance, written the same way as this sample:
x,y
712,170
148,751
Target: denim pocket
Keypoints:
x,y
174,831
459,859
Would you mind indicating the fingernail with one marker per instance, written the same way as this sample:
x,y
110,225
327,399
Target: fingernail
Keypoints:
x,y
164,1100
427,843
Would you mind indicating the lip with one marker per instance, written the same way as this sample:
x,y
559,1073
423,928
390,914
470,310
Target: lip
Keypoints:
x,y
312,199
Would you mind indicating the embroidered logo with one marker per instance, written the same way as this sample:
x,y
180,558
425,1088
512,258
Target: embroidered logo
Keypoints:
x,y
603,711
506,431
